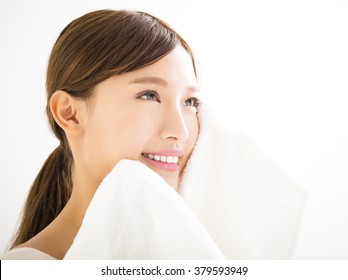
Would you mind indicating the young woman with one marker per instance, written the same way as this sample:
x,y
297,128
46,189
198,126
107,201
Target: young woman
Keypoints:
x,y
120,85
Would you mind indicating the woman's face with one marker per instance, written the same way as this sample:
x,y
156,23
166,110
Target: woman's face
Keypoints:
x,y
147,115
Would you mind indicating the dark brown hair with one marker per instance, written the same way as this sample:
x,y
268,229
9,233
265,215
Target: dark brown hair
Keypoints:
x,y
89,50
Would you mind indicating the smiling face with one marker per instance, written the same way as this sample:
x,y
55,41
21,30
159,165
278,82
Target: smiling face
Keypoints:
x,y
148,115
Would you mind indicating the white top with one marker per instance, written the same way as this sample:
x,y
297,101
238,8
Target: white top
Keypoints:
x,y
25,253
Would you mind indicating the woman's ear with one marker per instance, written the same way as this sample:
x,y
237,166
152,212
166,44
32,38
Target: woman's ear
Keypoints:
x,y
67,112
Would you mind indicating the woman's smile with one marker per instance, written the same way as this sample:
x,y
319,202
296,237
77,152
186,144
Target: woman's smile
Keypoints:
x,y
168,160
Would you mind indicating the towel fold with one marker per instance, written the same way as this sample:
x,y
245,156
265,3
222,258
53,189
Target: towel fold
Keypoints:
x,y
234,203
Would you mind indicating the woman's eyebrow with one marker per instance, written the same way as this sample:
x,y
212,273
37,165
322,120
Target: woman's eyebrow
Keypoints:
x,y
152,80
158,81
193,89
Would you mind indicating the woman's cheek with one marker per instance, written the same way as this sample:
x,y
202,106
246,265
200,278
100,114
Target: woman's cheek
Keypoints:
x,y
136,134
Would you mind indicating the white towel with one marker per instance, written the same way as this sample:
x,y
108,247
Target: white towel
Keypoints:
x,y
238,205
249,206
135,214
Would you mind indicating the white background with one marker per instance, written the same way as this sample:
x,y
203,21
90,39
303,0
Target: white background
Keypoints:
x,y
277,70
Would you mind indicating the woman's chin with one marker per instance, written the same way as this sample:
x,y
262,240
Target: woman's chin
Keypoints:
x,y
173,182
171,177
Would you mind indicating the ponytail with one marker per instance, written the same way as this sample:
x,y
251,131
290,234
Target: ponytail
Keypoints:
x,y
48,195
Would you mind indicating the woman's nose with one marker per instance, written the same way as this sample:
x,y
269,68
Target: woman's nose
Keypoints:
x,y
174,125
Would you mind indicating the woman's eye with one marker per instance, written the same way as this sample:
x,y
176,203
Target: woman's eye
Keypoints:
x,y
192,102
150,95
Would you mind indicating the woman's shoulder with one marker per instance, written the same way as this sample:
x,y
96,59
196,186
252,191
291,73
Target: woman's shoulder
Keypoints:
x,y
25,253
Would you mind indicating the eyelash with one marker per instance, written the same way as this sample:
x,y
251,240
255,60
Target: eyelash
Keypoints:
x,y
194,101
153,95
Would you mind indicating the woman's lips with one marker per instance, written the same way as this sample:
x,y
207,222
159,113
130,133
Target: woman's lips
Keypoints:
x,y
166,160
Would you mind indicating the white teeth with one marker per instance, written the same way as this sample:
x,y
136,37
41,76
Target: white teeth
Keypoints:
x,y
170,159
156,157
167,159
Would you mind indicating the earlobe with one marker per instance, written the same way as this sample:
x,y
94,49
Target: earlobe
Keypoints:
x,y
66,111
